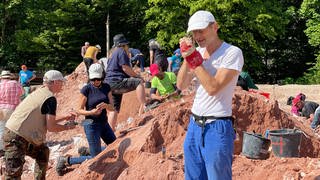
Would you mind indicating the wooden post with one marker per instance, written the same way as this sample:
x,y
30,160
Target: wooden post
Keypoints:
x,y
107,36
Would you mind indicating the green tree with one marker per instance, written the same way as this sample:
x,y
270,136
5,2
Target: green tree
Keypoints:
x,y
310,11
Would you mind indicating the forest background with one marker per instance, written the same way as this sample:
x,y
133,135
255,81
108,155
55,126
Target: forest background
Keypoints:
x,y
280,39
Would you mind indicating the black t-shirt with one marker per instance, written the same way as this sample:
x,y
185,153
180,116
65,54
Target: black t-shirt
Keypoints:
x,y
49,106
96,95
309,108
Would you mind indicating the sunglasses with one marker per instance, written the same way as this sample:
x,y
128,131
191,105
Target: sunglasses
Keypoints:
x,y
96,79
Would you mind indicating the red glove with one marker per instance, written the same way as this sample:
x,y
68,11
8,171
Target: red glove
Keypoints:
x,y
194,60
191,55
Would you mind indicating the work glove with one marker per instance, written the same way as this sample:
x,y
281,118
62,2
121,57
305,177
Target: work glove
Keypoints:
x,y
189,53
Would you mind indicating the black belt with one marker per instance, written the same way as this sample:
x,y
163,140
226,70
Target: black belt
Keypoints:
x,y
201,121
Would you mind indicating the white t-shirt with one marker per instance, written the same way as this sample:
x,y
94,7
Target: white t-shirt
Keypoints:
x,y
219,105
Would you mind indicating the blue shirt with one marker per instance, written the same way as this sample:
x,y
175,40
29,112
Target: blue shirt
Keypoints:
x,y
176,61
96,95
25,76
114,71
177,52
134,52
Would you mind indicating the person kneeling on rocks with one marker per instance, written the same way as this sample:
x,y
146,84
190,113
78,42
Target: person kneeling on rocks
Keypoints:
x,y
95,101
163,86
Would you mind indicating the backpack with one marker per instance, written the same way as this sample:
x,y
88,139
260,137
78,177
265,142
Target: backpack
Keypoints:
x,y
242,83
289,100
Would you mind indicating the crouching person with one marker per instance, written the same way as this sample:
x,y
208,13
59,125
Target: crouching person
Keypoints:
x,y
26,129
95,101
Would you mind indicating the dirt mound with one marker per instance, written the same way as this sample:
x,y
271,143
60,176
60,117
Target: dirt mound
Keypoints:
x,y
153,150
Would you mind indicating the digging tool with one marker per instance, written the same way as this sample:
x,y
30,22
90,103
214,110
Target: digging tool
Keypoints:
x,y
124,132
82,123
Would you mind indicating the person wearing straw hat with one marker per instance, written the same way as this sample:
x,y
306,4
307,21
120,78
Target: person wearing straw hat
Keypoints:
x,y
10,92
26,129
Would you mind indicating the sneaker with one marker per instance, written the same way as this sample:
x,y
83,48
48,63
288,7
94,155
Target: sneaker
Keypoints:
x,y
83,151
61,165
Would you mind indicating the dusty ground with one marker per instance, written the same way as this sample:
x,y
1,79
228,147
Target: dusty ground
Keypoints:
x,y
137,155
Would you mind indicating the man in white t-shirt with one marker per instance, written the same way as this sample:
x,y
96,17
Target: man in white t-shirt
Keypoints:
x,y
208,146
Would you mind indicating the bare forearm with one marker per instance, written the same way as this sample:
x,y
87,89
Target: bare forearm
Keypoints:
x,y
84,112
154,96
58,128
128,70
208,82
184,76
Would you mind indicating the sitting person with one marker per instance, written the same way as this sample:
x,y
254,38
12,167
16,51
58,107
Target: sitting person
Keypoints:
x,y
315,118
297,104
309,108
136,58
164,83
122,78
248,79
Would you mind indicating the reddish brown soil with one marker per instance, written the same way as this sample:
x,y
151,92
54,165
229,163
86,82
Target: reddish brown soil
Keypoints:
x,y
137,155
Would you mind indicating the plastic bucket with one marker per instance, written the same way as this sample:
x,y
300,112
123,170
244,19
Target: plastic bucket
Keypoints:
x,y
255,146
285,142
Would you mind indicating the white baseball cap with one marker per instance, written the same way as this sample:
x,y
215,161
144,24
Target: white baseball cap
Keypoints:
x,y
5,74
200,20
95,71
53,75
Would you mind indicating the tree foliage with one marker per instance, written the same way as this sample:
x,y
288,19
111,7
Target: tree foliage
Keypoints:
x,y
279,39
310,11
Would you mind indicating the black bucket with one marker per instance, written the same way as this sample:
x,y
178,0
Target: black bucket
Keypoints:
x,y
285,142
255,146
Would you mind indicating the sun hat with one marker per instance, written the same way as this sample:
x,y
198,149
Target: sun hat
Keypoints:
x,y
5,74
200,20
154,69
53,75
95,71
119,40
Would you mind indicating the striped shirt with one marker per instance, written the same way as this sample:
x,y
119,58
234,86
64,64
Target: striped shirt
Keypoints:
x,y
10,92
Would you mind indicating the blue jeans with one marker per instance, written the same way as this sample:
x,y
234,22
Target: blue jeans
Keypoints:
x,y
26,92
94,131
212,161
316,120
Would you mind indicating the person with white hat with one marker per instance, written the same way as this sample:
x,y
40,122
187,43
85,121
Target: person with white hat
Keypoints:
x,y
84,49
95,101
208,146
26,129
10,92
90,57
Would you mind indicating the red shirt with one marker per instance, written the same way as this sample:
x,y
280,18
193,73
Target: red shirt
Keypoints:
x,y
10,92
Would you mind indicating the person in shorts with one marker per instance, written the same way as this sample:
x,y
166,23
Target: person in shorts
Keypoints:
x,y
121,77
